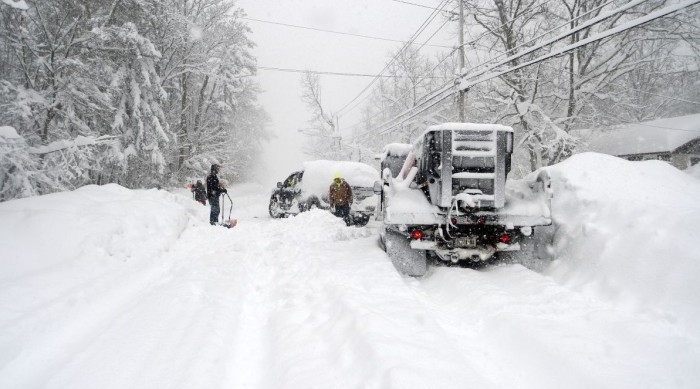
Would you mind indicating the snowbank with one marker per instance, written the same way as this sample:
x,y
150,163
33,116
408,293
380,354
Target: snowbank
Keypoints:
x,y
94,221
318,225
694,171
628,232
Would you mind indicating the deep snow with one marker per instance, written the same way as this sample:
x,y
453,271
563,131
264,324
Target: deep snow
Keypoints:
x,y
694,170
113,288
629,233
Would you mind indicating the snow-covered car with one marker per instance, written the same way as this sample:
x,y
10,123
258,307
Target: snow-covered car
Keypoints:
x,y
308,188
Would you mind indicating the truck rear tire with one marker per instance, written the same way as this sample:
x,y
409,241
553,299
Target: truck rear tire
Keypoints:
x,y
528,255
407,261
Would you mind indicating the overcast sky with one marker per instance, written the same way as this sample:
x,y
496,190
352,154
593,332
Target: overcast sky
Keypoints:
x,y
285,47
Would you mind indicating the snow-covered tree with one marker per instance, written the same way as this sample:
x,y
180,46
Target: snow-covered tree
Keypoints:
x,y
323,137
166,81
642,73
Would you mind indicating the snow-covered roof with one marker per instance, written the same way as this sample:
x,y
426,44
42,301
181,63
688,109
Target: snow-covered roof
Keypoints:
x,y
661,135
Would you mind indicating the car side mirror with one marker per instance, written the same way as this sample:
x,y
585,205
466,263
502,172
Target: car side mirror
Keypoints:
x,y
377,187
279,185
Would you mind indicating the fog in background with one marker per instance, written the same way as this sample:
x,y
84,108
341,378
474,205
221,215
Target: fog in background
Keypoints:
x,y
286,47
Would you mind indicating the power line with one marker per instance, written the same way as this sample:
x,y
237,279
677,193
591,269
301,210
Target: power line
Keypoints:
x,y
447,86
335,32
420,100
628,87
411,112
415,35
474,40
320,72
626,26
634,23
413,38
533,5
661,127
589,23
420,78
417,5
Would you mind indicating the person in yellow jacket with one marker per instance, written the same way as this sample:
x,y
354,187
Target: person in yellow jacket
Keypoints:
x,y
340,198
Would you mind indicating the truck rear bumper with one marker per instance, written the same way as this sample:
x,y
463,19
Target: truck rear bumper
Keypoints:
x,y
476,254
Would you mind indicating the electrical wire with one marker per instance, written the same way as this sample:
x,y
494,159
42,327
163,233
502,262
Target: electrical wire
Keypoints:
x,y
415,35
630,88
419,78
331,73
587,24
454,49
612,31
634,23
416,4
335,32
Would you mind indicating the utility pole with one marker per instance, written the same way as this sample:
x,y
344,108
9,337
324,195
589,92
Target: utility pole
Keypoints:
x,y
461,57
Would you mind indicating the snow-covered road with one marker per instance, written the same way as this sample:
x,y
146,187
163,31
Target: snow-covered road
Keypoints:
x,y
303,302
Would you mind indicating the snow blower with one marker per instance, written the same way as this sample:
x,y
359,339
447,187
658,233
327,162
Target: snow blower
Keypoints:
x,y
230,222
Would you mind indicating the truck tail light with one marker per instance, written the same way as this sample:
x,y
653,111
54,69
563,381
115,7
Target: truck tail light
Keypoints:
x,y
417,234
505,238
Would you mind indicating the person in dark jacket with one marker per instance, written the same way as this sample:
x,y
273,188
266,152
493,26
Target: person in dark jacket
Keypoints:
x,y
340,198
214,190
200,193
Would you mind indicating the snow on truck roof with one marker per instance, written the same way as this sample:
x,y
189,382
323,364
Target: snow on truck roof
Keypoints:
x,y
394,150
318,175
464,127
469,126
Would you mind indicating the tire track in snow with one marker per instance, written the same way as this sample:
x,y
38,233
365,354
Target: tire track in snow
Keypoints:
x,y
343,321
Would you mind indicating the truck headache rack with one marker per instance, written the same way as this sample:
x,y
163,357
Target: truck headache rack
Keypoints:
x,y
470,161
450,199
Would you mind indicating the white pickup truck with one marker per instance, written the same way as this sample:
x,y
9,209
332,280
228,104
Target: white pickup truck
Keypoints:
x,y
450,199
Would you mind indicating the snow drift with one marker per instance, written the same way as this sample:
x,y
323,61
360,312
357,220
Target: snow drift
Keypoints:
x,y
113,288
628,232
694,171
46,231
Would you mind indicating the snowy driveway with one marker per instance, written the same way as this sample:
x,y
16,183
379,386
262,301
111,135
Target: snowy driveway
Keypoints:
x,y
303,302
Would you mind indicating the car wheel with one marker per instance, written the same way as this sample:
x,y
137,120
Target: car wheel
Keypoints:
x,y
312,203
275,209
361,220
